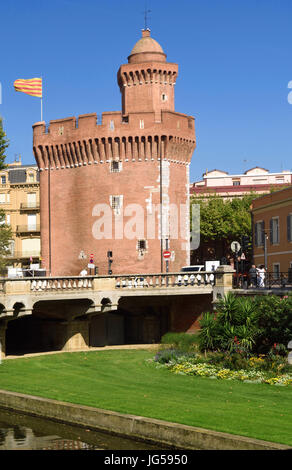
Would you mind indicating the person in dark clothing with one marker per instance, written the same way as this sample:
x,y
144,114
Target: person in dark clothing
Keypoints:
x,y
253,276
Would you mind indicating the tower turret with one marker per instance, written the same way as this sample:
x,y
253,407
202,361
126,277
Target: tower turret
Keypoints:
x,y
147,81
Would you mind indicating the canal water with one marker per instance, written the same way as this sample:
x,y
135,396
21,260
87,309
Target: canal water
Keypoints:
x,y
22,432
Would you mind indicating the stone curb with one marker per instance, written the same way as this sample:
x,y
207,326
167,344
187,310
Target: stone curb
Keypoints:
x,y
136,427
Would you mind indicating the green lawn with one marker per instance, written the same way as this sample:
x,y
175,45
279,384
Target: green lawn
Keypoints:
x,y
123,381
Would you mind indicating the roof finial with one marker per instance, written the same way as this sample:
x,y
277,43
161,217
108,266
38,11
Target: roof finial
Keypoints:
x,y
146,16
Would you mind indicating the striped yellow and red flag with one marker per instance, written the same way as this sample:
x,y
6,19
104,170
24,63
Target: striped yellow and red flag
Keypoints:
x,y
31,86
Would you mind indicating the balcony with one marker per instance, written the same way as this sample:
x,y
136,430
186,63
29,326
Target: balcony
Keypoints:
x,y
30,206
28,228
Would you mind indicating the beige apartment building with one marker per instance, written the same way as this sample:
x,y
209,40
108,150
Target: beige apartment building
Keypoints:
x,y
256,180
272,231
19,198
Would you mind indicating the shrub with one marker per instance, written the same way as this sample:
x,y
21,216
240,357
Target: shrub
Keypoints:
x,y
181,341
248,325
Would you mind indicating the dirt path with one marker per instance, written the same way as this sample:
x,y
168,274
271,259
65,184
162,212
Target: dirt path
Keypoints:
x,y
102,348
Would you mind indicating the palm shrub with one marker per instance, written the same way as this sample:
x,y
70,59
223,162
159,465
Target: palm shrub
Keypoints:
x,y
233,327
248,325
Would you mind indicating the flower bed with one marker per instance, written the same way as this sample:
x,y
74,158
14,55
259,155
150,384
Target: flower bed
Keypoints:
x,y
258,369
207,370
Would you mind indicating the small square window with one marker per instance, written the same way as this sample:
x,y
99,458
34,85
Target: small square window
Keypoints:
x,y
116,166
142,245
116,203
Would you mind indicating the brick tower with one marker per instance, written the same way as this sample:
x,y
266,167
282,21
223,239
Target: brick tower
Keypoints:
x,y
117,186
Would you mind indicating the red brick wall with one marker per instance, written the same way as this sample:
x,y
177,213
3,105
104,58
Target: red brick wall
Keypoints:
x,y
74,194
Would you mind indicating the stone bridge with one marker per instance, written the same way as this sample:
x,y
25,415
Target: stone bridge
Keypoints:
x,y
69,313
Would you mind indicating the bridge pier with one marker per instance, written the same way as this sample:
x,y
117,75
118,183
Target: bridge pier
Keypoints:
x,y
224,283
3,327
75,335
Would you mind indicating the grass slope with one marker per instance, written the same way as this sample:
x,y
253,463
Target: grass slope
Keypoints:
x,y
123,381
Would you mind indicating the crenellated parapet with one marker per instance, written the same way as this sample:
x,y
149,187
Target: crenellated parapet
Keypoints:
x,y
68,145
143,74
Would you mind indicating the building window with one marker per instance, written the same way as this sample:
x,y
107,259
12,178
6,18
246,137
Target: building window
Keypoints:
x,y
164,97
259,233
274,230
289,228
276,270
112,125
236,182
115,167
141,124
116,203
142,245
31,221
2,198
3,179
30,178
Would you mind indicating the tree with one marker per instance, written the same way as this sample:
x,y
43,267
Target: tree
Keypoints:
x,y
5,230
223,221
3,146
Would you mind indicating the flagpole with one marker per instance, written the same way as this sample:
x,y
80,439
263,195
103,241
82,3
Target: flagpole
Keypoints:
x,y
41,108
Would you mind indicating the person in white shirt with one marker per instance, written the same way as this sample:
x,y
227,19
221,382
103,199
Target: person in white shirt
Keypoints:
x,y
261,276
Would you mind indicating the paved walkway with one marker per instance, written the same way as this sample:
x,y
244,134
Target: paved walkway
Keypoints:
x,y
102,348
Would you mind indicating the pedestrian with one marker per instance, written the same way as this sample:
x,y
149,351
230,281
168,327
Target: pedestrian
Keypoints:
x,y
261,275
253,276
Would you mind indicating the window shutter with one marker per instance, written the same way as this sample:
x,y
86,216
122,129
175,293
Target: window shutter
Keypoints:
x,y
256,234
271,232
289,238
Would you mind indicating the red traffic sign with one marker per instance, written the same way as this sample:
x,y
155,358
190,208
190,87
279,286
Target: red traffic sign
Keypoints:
x,y
166,254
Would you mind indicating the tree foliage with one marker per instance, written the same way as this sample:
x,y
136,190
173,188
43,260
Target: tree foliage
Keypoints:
x,y
224,219
3,145
5,230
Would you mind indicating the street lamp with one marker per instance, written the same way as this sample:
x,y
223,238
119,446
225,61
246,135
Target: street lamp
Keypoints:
x,y
266,237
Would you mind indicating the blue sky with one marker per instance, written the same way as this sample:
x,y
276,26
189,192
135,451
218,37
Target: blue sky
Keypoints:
x,y
234,61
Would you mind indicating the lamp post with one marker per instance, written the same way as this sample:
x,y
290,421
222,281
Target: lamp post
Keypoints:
x,y
265,237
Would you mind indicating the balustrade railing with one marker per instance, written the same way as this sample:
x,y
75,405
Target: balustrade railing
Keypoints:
x,y
127,281
269,280
168,280
60,283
